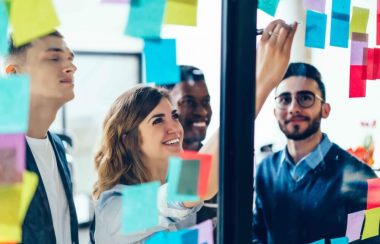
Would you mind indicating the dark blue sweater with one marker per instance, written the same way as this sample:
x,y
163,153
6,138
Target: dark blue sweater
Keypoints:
x,y
315,207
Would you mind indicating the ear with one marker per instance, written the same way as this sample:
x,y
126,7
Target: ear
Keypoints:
x,y
325,110
11,69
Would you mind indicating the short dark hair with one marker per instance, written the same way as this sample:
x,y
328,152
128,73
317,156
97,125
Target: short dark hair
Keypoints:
x,y
308,71
14,51
188,73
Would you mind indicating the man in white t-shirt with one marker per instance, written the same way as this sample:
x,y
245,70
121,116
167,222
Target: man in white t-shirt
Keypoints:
x,y
51,216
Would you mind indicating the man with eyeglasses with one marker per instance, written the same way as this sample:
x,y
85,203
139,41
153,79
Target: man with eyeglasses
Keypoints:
x,y
305,192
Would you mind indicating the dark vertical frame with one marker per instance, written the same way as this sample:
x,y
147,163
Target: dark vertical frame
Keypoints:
x,y
237,121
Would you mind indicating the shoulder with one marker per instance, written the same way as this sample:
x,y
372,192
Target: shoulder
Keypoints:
x,y
271,162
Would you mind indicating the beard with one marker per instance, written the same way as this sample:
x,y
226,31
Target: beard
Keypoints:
x,y
298,135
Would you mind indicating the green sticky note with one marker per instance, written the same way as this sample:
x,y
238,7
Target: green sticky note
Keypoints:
x,y
174,177
359,20
32,19
3,29
371,224
145,18
189,176
181,12
140,211
269,6
14,104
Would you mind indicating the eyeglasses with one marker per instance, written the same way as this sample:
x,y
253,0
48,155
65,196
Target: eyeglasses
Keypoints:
x,y
305,99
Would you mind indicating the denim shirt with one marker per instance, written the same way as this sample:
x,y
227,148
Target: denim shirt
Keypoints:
x,y
108,212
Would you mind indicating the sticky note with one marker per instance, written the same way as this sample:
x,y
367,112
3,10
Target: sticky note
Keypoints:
x,y
315,5
158,238
174,172
359,43
145,18
3,29
359,20
341,240
205,234
14,104
181,12
268,6
354,225
188,178
161,61
373,194
12,158
204,171
371,64
32,19
357,87
371,224
140,211
190,237
377,63
378,23
315,29
319,242
340,23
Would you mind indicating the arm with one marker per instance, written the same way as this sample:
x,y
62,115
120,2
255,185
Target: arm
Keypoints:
x,y
272,58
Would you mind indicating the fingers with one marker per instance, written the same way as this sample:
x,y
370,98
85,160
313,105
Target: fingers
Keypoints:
x,y
269,30
289,41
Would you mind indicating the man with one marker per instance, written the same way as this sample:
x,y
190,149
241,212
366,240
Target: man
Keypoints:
x,y
51,216
305,192
192,100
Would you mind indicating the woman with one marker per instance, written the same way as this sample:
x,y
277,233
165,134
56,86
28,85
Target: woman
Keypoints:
x,y
140,132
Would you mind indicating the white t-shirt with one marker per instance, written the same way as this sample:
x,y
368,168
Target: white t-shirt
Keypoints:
x,y
47,165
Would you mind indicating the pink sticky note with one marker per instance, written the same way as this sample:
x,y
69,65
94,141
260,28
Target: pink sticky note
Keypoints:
x,y
204,232
377,63
359,43
373,195
12,158
357,81
316,5
371,75
354,225
378,23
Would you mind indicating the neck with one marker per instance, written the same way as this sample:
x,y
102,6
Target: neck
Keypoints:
x,y
158,170
301,148
41,116
191,145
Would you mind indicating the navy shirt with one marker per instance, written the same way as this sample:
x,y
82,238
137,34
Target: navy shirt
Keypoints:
x,y
309,201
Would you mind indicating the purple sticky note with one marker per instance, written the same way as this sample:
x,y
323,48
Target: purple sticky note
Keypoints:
x,y
12,158
359,43
204,232
354,225
316,5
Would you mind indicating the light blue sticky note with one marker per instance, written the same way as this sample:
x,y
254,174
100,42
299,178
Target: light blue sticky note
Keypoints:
x,y
140,211
315,29
14,104
158,238
322,241
182,236
145,18
268,6
174,172
340,23
191,236
3,29
161,61
341,240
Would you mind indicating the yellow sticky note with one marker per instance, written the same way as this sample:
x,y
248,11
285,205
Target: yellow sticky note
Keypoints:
x,y
181,12
14,202
31,19
359,20
371,224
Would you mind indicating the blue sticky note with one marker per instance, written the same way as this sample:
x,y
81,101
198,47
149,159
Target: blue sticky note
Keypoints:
x,y
140,211
268,6
322,241
184,236
158,238
14,104
190,237
315,29
161,61
340,23
341,240
145,18
174,173
3,29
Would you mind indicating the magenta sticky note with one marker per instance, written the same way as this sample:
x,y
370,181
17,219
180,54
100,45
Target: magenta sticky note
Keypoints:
x,y
357,87
204,232
315,5
12,158
354,225
359,43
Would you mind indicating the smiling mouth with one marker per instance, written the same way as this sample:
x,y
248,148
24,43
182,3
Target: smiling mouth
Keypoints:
x,y
202,124
172,142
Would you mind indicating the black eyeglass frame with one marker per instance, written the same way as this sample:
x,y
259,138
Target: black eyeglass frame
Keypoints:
x,y
297,97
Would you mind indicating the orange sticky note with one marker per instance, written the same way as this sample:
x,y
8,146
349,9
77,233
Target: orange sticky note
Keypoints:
x,y
373,195
204,169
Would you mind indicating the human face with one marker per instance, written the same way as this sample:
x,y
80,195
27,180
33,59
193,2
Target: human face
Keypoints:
x,y
295,121
193,102
49,63
161,133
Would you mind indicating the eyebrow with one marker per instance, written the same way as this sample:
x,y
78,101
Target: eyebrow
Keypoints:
x,y
161,115
60,50
298,92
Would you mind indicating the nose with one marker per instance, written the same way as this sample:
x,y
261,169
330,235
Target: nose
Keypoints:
x,y
174,127
201,110
70,68
294,107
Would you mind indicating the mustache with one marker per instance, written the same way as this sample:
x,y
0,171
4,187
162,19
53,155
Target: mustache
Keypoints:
x,y
297,117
